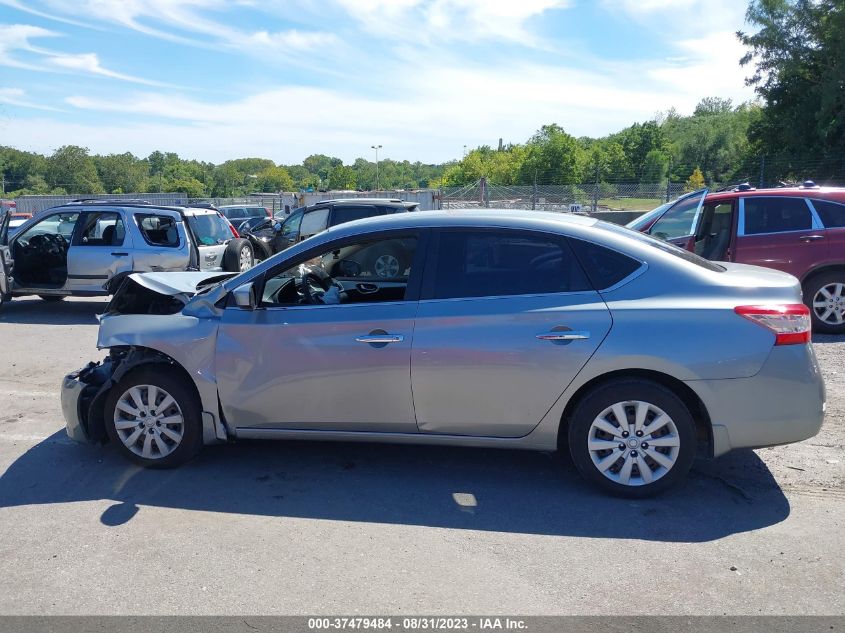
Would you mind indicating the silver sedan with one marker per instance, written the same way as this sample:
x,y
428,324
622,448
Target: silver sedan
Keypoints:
x,y
475,328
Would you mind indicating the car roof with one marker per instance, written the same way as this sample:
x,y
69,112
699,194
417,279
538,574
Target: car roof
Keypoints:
x,y
513,218
831,193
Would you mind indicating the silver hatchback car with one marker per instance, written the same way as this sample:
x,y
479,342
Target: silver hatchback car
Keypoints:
x,y
503,329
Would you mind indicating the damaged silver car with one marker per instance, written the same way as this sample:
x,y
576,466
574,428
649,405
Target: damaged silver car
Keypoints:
x,y
513,330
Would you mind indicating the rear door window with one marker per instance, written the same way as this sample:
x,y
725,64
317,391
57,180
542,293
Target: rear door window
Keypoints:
x,y
101,229
158,230
774,215
504,263
348,214
832,214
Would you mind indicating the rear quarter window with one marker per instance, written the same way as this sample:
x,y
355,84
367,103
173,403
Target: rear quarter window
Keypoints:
x,y
210,229
660,245
604,266
832,214
158,230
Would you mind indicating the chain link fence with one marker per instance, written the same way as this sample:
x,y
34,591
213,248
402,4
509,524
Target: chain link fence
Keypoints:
x,y
581,198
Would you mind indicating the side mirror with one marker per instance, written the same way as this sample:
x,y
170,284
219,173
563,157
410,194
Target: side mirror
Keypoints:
x,y
245,296
277,227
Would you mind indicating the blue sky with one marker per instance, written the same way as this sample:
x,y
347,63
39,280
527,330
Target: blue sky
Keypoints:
x,y
282,79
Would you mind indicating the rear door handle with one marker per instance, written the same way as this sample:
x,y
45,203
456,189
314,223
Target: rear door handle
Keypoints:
x,y
121,254
384,339
811,238
564,335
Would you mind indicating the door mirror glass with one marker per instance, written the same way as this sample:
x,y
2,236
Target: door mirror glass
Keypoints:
x,y
244,296
277,227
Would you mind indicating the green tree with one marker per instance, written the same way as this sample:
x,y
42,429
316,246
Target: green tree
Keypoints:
x,y
71,168
274,179
695,181
552,157
797,52
122,171
190,186
342,177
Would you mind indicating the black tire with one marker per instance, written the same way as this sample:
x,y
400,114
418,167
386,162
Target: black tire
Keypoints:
x,y
232,255
53,298
595,402
812,286
185,398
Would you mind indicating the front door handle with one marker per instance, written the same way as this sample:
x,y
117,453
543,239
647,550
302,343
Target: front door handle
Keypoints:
x,y
811,238
564,335
383,339
121,254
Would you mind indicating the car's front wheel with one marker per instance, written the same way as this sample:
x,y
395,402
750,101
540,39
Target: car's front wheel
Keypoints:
x,y
153,415
824,294
632,437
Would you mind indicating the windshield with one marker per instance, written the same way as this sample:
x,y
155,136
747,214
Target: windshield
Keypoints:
x,y
659,244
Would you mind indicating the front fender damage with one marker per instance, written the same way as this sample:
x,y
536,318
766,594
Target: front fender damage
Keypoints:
x,y
97,379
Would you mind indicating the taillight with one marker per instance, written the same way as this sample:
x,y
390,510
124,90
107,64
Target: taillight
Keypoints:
x,y
269,213
789,322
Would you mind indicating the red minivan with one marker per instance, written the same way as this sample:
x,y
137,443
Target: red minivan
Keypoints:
x,y
799,230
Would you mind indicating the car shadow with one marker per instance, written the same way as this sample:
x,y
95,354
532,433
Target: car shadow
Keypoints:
x,y
36,311
463,488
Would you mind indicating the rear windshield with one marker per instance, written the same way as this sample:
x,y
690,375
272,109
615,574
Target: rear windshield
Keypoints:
x,y
210,229
666,247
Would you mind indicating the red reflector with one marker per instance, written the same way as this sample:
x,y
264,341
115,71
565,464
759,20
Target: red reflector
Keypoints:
x,y
790,322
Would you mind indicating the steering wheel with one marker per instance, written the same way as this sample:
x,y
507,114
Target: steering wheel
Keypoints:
x,y
308,283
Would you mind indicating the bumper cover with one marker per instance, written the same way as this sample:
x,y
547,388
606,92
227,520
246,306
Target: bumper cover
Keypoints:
x,y
72,389
783,403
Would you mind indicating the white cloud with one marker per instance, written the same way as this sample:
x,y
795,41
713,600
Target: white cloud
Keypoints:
x,y
432,20
17,97
18,51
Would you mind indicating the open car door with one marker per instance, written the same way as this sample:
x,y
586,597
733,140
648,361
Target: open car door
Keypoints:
x,y
5,254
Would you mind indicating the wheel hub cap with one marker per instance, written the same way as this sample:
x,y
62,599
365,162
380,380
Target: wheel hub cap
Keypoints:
x,y
633,443
829,304
149,421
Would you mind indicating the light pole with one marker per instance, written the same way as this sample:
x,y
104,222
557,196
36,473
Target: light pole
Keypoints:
x,y
377,148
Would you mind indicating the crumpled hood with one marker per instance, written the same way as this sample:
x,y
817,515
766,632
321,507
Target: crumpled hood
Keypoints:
x,y
173,284
161,293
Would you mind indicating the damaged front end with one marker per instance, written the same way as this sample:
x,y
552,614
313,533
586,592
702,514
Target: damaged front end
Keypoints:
x,y
84,392
147,313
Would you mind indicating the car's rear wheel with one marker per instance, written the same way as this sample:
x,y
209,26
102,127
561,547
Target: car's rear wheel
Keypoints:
x,y
632,438
153,415
824,294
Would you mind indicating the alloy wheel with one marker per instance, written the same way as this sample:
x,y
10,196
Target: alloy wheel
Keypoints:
x,y
829,304
245,259
633,443
387,266
148,421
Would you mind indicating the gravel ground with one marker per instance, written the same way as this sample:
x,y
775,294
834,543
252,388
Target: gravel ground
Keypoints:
x,y
304,528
